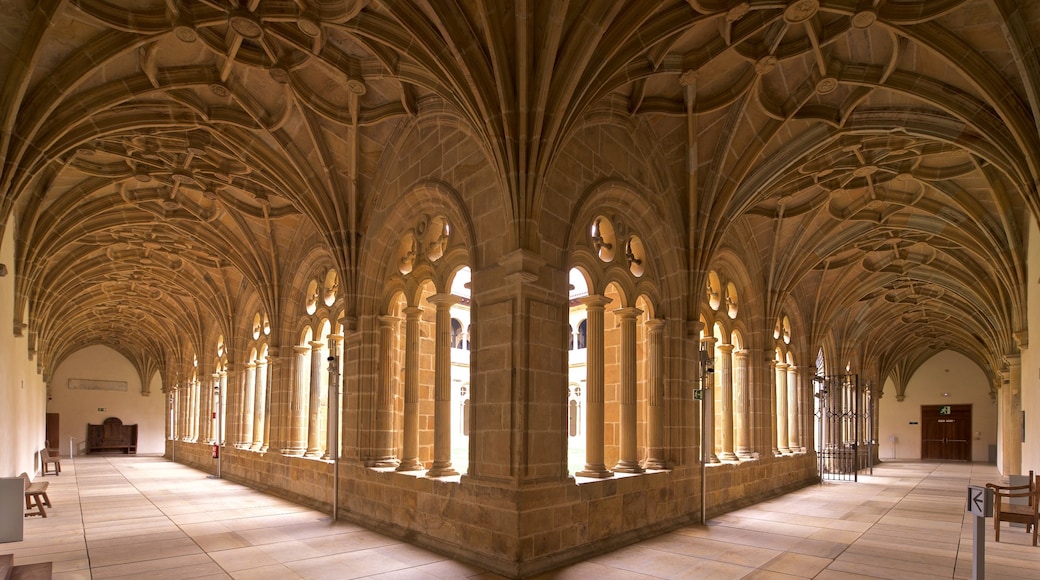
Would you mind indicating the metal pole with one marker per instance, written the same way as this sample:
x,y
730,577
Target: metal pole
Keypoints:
x,y
334,421
220,428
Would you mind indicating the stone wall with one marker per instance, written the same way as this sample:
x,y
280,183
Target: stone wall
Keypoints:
x,y
513,532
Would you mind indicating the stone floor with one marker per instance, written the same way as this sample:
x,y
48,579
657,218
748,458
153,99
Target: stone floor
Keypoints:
x,y
145,517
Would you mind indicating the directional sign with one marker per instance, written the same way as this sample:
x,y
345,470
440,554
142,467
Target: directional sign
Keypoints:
x,y
980,501
698,394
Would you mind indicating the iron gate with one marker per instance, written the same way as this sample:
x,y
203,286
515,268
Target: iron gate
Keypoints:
x,y
844,427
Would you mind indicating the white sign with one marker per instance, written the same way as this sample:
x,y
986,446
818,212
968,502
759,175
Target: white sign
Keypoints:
x,y
980,501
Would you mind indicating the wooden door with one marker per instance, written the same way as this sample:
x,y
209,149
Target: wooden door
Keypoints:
x,y
946,432
52,433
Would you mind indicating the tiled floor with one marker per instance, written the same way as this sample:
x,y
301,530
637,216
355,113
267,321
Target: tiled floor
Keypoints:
x,y
144,517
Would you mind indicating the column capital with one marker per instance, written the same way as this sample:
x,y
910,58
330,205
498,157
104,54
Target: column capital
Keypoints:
x,y
316,344
628,312
724,348
654,325
782,366
388,320
413,312
443,299
594,301
741,353
301,349
709,340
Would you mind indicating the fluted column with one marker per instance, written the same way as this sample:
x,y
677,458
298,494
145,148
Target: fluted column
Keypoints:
x,y
628,459
384,454
594,410
724,372
333,397
442,387
742,398
410,453
794,435
781,409
295,443
655,395
314,402
708,380
248,407
259,404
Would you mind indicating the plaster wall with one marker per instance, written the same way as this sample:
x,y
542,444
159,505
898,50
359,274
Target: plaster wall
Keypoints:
x,y
22,391
78,407
945,373
1031,358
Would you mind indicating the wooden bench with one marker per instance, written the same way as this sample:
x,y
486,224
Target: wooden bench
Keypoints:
x,y
35,497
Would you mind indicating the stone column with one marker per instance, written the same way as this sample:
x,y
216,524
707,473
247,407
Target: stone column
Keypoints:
x,y
333,397
270,429
724,372
193,410
384,454
781,408
220,398
742,408
1014,423
655,395
295,443
794,435
314,401
410,453
248,407
594,411
708,429
259,403
772,406
442,387
628,459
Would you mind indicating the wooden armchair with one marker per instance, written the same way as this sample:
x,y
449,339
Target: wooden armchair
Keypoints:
x,y
1005,511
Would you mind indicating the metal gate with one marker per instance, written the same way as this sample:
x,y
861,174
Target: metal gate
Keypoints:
x,y
844,427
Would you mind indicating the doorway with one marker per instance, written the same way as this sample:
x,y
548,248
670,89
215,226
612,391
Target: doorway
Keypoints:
x,y
946,432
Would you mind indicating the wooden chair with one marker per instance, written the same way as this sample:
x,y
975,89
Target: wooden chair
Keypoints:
x,y
1005,511
35,497
46,458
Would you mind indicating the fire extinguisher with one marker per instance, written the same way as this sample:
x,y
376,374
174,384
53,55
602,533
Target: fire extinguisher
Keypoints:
x,y
216,451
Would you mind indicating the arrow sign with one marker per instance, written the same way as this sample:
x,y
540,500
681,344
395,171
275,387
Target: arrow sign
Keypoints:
x,y
980,501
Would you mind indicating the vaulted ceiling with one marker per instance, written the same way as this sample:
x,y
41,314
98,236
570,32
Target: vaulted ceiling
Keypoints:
x,y
875,161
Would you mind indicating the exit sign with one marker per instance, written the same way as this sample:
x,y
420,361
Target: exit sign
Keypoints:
x,y
944,410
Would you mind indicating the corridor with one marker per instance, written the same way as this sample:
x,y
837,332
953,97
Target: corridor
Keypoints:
x,y
145,517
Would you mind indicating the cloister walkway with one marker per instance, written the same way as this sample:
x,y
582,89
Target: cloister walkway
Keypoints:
x,y
146,517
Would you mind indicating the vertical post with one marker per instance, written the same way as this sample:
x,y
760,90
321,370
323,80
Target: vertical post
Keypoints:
x,y
978,549
333,424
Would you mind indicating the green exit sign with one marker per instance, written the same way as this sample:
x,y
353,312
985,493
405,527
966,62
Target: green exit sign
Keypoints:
x,y
944,410
101,409
698,394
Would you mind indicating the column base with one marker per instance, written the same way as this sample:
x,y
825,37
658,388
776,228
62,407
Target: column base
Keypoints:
x,y
728,456
598,471
441,469
714,459
626,466
653,463
293,452
412,464
785,451
386,461
315,454
256,447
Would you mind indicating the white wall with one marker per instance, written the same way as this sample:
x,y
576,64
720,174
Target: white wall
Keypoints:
x,y
22,392
946,372
78,407
1031,357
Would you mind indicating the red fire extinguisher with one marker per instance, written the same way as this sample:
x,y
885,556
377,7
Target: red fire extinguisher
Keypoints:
x,y
216,451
